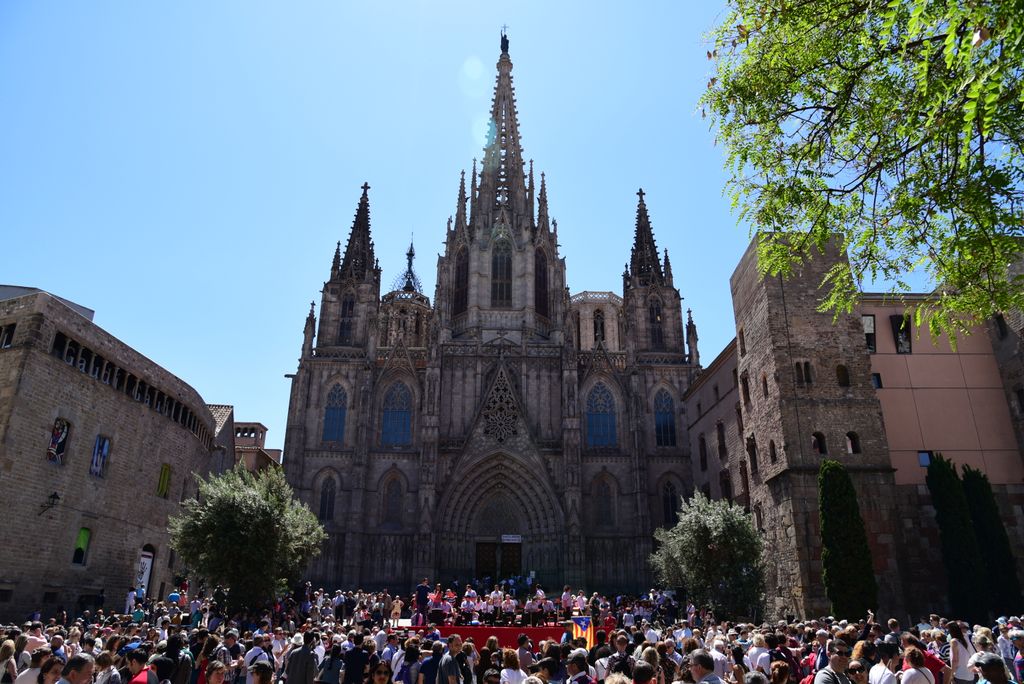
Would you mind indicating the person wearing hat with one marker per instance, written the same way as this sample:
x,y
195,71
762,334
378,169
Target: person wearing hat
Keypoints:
x,y
301,665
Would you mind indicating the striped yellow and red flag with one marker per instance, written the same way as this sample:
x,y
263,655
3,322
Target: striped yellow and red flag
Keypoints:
x,y
583,627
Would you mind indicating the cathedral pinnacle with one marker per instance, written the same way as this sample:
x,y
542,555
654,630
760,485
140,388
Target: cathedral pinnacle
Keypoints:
x,y
336,263
460,209
645,267
408,281
359,261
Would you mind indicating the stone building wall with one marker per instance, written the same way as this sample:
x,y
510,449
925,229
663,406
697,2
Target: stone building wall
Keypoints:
x,y
124,503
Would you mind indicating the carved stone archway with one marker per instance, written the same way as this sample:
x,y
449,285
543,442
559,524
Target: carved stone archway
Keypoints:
x,y
494,496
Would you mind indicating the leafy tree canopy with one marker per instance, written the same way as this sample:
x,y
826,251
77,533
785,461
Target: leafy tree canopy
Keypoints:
x,y
897,124
715,553
246,532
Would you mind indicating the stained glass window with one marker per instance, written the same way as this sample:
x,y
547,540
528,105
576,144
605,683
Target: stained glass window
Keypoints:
x,y
396,417
540,283
601,417
501,275
460,294
327,492
664,419
334,415
58,441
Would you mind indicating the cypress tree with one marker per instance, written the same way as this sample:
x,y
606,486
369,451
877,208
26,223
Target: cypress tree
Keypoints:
x,y
847,570
960,555
994,544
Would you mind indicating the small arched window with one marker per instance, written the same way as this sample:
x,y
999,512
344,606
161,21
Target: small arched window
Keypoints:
x,y
842,375
723,451
328,490
669,504
752,453
664,419
852,443
598,326
601,417
393,502
460,288
501,275
396,416
702,449
818,444
655,322
764,385
540,283
739,419
772,455
334,415
347,323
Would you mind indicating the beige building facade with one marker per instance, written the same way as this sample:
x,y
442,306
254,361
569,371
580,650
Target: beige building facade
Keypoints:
x,y
98,446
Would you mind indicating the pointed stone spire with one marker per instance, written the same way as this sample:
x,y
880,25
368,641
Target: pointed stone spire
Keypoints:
x,y
668,269
530,192
473,192
336,263
308,332
410,281
502,180
359,262
542,205
460,207
691,338
644,265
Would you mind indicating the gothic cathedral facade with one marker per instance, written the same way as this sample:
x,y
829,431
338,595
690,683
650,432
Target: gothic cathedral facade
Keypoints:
x,y
507,427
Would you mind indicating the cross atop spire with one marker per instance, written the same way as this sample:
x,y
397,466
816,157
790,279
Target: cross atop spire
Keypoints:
x,y
645,266
359,262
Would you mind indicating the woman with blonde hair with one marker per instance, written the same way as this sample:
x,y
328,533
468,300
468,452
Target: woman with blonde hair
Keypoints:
x,y
10,668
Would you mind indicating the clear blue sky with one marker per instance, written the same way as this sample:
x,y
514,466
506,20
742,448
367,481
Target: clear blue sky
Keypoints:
x,y
186,168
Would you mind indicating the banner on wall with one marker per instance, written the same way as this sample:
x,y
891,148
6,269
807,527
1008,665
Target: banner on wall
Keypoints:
x,y
144,571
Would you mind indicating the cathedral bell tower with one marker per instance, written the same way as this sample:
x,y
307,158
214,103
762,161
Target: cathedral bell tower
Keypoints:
x,y
351,295
652,304
501,274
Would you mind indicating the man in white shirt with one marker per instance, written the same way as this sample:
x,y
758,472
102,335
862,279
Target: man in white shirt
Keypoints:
x,y
260,651
650,634
722,665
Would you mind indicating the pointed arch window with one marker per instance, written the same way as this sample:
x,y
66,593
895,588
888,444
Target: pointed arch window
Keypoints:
x,y
396,417
540,283
670,504
501,275
842,376
598,326
328,491
818,444
655,322
601,417
393,502
664,419
752,453
460,289
334,415
702,449
346,326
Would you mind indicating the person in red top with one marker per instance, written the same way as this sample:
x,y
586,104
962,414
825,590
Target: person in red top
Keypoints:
x,y
141,672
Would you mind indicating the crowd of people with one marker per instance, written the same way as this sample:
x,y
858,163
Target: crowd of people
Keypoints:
x,y
376,638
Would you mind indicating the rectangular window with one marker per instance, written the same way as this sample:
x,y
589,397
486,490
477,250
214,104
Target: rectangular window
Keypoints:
x,y
876,380
901,333
924,458
100,454
163,487
57,450
82,546
868,321
7,336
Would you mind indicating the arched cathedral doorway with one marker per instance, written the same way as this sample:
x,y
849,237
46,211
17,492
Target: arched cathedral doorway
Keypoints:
x,y
500,516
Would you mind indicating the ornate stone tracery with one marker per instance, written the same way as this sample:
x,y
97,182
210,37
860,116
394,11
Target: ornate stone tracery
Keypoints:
x,y
501,417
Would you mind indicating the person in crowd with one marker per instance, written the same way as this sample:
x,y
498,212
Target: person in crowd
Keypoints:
x,y
702,667
380,673
302,663
857,671
511,671
778,672
993,669
960,652
8,663
106,673
50,670
216,672
884,671
330,668
838,661
915,672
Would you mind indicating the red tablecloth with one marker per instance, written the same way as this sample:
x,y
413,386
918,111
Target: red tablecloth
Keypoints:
x,y
508,637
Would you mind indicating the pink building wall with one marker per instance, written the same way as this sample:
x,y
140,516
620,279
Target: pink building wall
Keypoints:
x,y
940,400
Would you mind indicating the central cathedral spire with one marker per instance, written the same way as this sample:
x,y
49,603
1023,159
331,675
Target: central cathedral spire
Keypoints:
x,y
502,179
